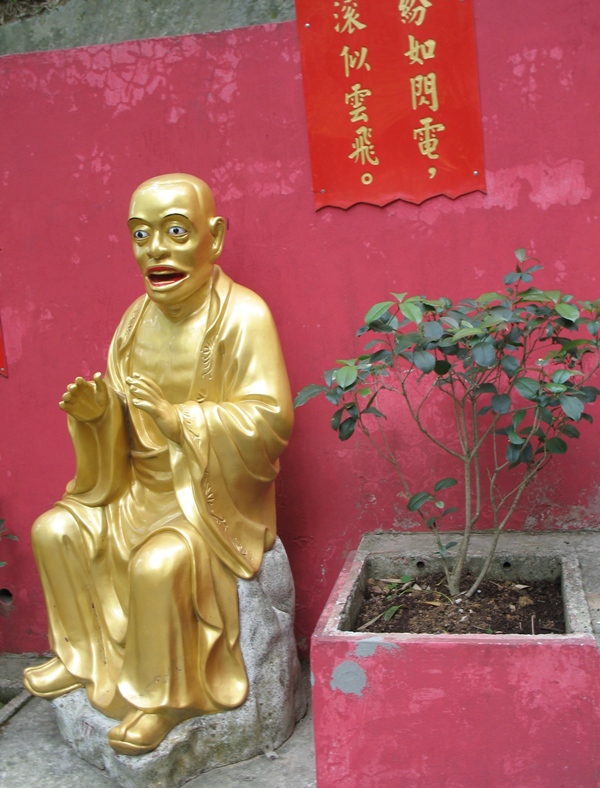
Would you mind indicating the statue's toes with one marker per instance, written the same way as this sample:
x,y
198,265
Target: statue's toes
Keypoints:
x,y
50,680
141,732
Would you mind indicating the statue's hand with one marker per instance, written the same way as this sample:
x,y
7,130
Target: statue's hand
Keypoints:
x,y
147,396
86,400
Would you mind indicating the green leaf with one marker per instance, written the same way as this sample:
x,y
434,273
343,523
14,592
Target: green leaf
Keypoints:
x,y
556,388
484,354
515,438
571,406
444,483
567,311
510,279
336,419
307,393
412,312
486,388
501,403
543,414
334,395
556,446
486,298
570,430
442,366
347,429
521,254
424,360
527,388
432,330
399,296
449,510
552,295
375,412
593,327
346,376
561,376
518,417
391,612
377,311
513,453
466,332
417,500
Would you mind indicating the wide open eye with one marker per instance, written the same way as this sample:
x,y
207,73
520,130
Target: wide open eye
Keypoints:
x,y
177,231
141,235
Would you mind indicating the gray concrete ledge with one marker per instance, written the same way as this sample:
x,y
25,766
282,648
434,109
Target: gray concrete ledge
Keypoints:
x,y
34,755
87,22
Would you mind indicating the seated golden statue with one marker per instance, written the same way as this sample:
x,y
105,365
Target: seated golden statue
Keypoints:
x,y
177,451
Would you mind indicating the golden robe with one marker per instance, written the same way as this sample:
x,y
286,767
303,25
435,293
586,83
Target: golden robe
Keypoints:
x,y
142,592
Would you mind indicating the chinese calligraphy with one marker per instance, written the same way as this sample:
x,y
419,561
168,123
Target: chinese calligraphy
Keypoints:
x,y
423,87
349,18
347,21
413,10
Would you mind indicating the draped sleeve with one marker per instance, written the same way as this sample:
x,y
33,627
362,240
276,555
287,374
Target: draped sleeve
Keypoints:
x,y
226,464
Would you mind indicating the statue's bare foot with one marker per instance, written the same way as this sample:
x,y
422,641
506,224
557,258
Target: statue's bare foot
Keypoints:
x,y
50,680
141,731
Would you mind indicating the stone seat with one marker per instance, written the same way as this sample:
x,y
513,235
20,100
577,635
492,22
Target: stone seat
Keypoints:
x,y
276,699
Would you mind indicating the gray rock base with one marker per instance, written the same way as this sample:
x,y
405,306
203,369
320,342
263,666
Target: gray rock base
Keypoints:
x,y
276,699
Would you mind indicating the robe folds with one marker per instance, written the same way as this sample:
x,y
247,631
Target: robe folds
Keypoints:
x,y
142,592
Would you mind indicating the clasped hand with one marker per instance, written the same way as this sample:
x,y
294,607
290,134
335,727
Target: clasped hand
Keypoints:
x,y
87,400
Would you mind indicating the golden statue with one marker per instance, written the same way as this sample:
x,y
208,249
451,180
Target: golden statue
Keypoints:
x,y
177,451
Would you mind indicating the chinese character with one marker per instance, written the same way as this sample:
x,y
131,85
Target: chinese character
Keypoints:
x,y
356,60
355,99
363,148
428,142
350,17
414,10
424,91
418,52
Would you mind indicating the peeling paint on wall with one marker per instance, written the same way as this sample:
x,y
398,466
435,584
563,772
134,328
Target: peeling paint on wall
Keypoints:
x,y
349,678
368,646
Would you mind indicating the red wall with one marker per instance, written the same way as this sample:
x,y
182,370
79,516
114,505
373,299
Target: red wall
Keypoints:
x,y
81,128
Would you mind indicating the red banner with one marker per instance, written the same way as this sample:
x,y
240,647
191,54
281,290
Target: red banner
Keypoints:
x,y
392,99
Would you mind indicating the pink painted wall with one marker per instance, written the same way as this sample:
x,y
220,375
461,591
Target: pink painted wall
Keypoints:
x,y
81,128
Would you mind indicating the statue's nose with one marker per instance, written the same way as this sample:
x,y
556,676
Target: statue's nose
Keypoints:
x,y
157,248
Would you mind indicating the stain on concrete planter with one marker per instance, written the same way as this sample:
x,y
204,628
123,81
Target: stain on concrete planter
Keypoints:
x,y
423,711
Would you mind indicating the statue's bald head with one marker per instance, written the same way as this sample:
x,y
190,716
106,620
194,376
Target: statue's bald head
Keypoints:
x,y
175,234
201,189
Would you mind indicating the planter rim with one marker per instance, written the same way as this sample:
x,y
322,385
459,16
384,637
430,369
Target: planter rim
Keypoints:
x,y
576,610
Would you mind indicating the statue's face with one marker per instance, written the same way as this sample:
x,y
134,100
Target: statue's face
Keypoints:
x,y
172,241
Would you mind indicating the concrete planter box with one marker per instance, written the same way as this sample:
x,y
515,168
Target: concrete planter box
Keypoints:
x,y
455,711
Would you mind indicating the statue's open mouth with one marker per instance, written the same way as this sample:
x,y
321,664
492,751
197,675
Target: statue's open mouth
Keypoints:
x,y
162,275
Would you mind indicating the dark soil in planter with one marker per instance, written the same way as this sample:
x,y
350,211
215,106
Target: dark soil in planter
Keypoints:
x,y
499,607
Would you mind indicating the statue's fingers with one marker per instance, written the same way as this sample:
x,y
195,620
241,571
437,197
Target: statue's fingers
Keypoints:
x,y
71,387
79,381
100,383
66,397
144,405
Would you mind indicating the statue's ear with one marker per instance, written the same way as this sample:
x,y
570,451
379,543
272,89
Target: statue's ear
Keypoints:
x,y
217,229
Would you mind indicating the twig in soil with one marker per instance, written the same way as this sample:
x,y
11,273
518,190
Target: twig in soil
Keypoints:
x,y
533,624
368,624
